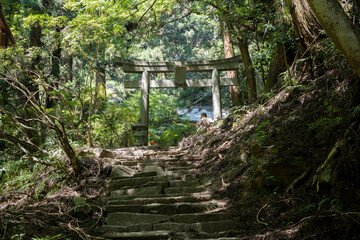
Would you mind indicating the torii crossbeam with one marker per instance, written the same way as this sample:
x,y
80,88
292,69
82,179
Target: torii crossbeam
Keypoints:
x,y
179,69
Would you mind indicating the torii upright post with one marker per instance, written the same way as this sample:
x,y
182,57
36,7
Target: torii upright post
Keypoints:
x,y
216,97
144,106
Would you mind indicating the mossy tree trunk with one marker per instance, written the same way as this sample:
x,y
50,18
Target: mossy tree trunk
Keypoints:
x,y
249,69
339,27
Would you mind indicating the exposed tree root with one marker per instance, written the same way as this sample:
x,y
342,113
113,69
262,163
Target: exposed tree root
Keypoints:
x,y
258,214
323,172
298,180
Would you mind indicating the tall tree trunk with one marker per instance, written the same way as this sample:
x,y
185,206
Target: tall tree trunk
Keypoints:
x,y
55,68
304,21
249,69
235,92
35,41
56,56
100,80
277,66
100,94
69,66
339,27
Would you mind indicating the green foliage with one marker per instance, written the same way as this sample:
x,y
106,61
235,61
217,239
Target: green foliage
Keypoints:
x,y
356,110
330,119
166,126
47,238
326,204
26,177
325,124
112,127
261,133
171,135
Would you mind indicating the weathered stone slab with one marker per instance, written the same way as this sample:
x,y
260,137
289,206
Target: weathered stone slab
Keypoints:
x,y
214,227
116,184
180,183
200,217
149,191
191,207
106,154
169,200
112,228
122,171
146,174
156,169
184,190
150,235
160,195
178,227
129,163
123,208
176,208
172,169
141,228
129,219
158,208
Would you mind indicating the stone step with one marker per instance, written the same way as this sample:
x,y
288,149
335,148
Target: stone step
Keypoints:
x,y
171,226
200,217
170,190
139,158
149,235
168,200
127,163
174,169
160,208
119,175
157,194
132,228
184,230
181,183
214,226
114,184
122,171
129,219
143,191
165,165
117,185
221,238
116,196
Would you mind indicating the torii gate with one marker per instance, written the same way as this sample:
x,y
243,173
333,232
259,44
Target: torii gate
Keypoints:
x,y
179,69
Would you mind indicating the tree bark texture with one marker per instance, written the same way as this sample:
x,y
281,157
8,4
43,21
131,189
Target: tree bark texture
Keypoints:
x,y
339,27
304,21
277,66
56,56
235,92
250,72
100,94
69,66
27,147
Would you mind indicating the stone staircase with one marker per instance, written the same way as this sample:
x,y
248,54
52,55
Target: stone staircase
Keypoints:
x,y
156,194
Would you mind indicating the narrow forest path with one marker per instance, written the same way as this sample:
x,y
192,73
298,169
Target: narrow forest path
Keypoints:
x,y
158,194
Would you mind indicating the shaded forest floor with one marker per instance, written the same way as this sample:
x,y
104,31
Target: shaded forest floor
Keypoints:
x,y
266,158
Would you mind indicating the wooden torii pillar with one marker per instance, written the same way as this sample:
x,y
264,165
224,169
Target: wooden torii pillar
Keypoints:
x,y
179,69
6,37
